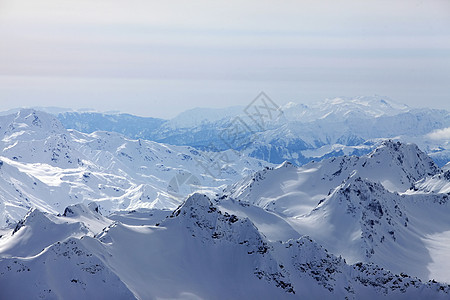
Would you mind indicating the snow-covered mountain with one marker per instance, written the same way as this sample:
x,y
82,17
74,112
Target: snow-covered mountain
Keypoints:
x,y
187,255
294,191
103,216
131,126
342,108
439,183
44,165
301,133
392,200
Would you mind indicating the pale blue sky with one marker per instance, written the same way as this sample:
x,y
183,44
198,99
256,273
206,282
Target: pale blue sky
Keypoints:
x,y
160,58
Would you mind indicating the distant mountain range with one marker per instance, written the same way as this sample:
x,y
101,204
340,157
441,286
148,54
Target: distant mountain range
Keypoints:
x,y
299,134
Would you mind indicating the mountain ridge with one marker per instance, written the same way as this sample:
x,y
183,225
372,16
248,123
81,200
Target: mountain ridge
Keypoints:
x,y
141,219
281,269
329,128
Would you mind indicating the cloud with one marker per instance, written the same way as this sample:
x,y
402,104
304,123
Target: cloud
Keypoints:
x,y
440,134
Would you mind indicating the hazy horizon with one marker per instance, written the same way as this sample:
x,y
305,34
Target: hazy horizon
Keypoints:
x,y
159,59
60,109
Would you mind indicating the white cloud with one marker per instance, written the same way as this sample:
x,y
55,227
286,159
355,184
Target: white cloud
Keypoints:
x,y
440,134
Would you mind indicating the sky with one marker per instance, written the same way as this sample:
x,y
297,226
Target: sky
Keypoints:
x,y
159,58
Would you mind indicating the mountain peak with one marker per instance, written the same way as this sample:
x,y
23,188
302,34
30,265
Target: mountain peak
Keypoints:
x,y
285,164
34,118
34,217
195,200
206,221
365,207
29,124
81,210
412,160
197,116
343,108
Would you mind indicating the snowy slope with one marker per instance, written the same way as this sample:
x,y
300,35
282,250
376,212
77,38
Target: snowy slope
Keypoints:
x,y
44,165
45,252
198,252
362,221
292,190
439,183
352,206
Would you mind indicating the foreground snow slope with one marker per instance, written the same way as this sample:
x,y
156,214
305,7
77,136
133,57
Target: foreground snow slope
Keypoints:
x,y
198,252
